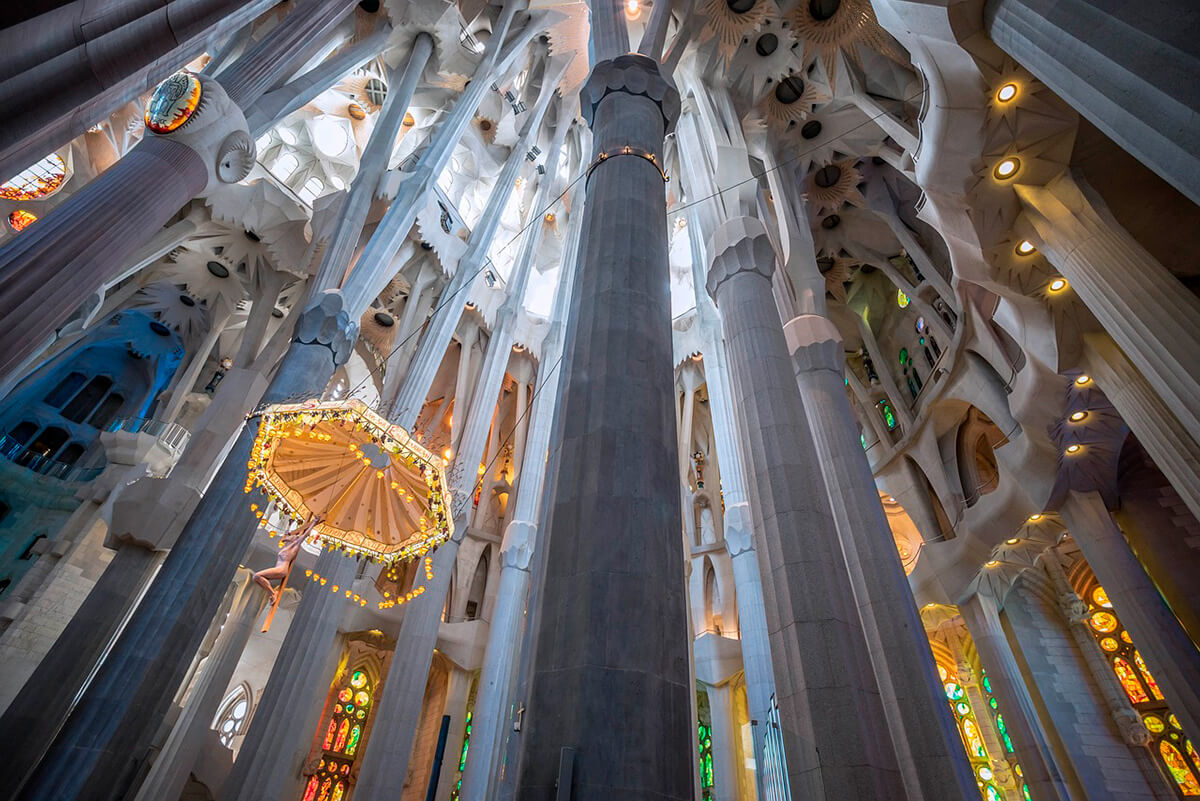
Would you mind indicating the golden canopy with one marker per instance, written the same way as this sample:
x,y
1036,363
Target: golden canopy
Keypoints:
x,y
382,494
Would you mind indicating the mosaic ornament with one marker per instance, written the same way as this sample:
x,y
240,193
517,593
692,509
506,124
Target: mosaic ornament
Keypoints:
x,y
173,103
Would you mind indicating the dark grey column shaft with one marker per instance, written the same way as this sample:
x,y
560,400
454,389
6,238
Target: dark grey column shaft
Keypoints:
x,y
287,713
32,719
1008,685
61,74
834,731
1130,68
611,677
47,271
927,742
97,753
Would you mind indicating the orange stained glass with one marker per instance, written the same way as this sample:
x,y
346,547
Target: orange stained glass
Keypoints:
x,y
1109,644
1145,671
1101,598
324,794
343,732
338,792
37,180
310,792
1180,770
21,219
1103,622
329,735
1125,637
1133,688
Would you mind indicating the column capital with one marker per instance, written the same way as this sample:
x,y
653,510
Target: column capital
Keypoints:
x,y
327,322
517,548
739,529
633,74
814,342
212,126
738,245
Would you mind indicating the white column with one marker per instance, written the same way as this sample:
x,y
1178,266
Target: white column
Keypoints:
x,y
458,688
724,744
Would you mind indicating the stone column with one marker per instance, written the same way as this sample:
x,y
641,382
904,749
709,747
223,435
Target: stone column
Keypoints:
x,y
817,643
416,310
1173,449
178,755
925,736
98,749
65,70
724,744
1170,654
458,690
1008,685
1144,308
612,633
284,718
1128,68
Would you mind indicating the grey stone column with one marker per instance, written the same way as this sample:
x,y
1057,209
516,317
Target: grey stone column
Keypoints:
x,y
612,634
925,736
1008,685
1168,651
65,70
98,749
1129,68
284,718
178,755
834,730
724,735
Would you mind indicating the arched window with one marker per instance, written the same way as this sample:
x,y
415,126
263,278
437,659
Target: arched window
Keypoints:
x,y
234,715
23,432
478,587
38,180
1172,746
106,412
65,390
85,401
712,599
341,737
969,731
71,453
285,166
48,442
704,734
311,189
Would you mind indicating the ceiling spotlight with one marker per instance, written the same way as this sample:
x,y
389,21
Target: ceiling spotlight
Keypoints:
x,y
1011,541
633,8
1025,248
1034,518
1083,379
1076,448
1058,285
1007,92
1007,168
991,563
1078,416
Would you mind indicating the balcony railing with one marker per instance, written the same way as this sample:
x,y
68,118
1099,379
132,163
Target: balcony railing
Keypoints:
x,y
173,435
40,463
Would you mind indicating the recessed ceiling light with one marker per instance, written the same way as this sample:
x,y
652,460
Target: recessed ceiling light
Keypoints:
x,y
1025,248
1007,92
1083,379
1074,448
1058,285
1007,168
1078,416
1034,518
991,563
1011,541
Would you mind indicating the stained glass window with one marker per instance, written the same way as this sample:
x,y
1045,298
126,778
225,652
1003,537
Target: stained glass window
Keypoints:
x,y
969,731
21,219
704,738
1178,758
39,180
341,737
235,711
901,299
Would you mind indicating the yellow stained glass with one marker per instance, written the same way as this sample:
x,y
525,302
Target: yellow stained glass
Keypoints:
x,y
358,679
1103,622
901,299
1109,644
1174,721
1101,598
1125,637
1154,724
1145,671
1180,770
362,698
21,219
1133,688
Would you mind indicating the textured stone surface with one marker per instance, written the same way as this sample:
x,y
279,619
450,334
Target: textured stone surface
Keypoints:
x,y
612,649
635,75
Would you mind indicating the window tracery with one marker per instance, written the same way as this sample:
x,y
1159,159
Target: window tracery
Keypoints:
x,y
234,715
342,737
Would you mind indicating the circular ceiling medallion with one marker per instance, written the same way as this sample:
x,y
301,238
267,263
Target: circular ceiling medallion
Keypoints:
x,y
173,103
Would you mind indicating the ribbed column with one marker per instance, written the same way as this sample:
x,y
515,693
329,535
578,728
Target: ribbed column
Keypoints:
x,y
281,730
612,633
1173,449
1130,69
520,538
47,271
1147,312
178,755
372,167
1008,685
925,736
724,736
1170,654
818,647
98,749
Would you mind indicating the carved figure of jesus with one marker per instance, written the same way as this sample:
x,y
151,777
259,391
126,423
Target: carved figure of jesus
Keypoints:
x,y
287,554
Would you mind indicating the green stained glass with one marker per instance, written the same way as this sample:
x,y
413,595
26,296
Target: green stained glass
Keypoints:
x,y
1003,729
462,757
903,356
987,684
1025,792
993,703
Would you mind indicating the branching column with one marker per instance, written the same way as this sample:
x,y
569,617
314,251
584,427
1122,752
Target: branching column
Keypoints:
x,y
926,739
612,635
834,731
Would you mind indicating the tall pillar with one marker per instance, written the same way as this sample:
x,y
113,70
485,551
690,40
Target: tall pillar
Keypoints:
x,y
1144,308
925,736
98,749
65,70
458,691
612,641
1128,68
1169,652
724,743
178,755
818,647
281,730
1008,685
520,536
